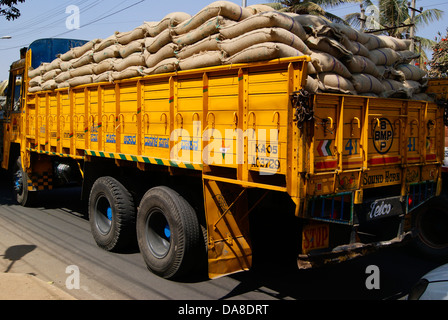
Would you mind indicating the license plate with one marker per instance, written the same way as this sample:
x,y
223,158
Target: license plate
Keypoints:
x,y
315,236
383,208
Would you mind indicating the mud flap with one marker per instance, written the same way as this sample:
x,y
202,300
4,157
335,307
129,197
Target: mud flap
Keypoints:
x,y
229,250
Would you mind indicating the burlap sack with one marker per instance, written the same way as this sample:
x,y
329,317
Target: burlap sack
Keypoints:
x,y
79,51
330,46
259,52
351,33
39,71
286,51
394,89
384,56
36,81
69,55
334,83
414,87
326,31
411,72
49,75
85,59
78,81
133,47
201,60
366,83
232,46
125,38
205,30
310,20
152,59
328,63
110,52
103,77
54,65
82,71
62,77
44,66
165,66
313,66
312,84
208,44
134,60
105,66
395,43
374,42
63,85
34,89
171,20
268,19
49,85
354,47
130,72
155,44
360,64
110,41
389,72
406,56
65,65
226,9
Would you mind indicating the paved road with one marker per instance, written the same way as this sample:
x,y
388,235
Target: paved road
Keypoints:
x,y
46,240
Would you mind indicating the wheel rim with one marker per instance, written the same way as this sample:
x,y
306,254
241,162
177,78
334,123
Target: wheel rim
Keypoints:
x,y
18,182
103,215
158,234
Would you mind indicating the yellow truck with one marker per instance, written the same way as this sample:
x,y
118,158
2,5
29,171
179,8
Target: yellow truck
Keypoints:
x,y
230,164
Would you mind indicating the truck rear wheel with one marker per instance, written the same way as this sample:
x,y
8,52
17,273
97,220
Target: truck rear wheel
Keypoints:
x,y
112,215
168,232
431,225
20,185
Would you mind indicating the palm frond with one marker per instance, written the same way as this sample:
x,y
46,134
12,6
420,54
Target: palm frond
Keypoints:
x,y
428,16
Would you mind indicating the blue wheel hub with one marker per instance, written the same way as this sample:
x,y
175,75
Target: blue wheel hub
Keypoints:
x,y
109,214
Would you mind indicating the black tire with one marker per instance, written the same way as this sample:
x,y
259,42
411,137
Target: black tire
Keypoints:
x,y
431,229
112,215
23,196
168,232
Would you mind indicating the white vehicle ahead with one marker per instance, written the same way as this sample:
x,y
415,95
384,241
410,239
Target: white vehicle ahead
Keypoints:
x,y
432,286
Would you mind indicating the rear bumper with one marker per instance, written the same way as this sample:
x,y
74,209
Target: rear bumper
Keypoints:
x,y
348,252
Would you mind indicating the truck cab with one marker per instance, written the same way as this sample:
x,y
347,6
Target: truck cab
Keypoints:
x,y
13,100
11,110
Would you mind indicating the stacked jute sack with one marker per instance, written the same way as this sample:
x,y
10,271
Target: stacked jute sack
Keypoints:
x,y
343,59
354,62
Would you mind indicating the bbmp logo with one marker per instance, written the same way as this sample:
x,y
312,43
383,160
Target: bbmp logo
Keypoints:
x,y
383,135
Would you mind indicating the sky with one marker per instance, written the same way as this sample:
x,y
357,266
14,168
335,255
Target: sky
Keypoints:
x,y
101,18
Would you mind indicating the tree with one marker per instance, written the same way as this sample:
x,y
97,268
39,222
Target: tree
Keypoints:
x,y
395,19
315,7
8,9
439,63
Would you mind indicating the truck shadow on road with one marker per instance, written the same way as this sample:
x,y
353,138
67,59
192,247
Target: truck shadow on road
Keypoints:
x,y
400,268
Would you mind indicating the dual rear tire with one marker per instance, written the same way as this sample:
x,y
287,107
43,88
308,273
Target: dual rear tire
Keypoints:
x,y
166,226
431,226
168,232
